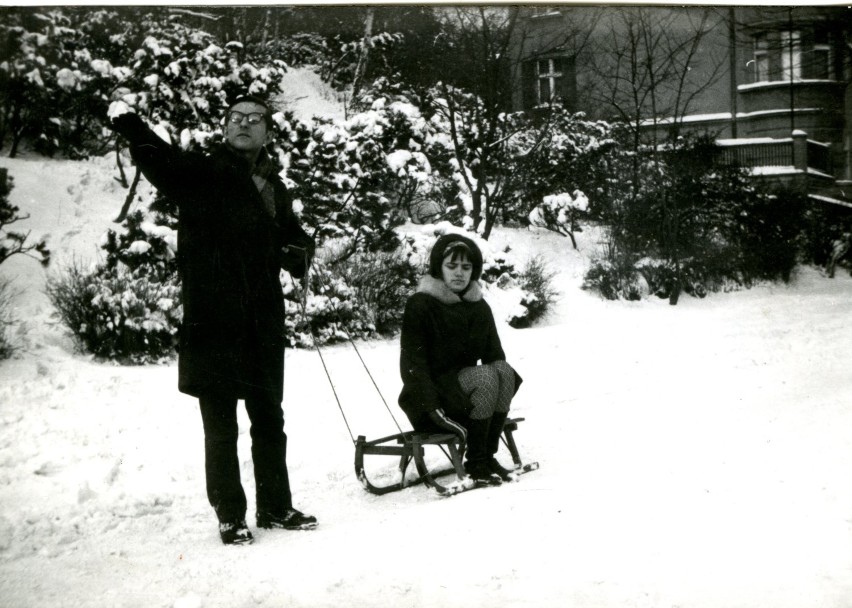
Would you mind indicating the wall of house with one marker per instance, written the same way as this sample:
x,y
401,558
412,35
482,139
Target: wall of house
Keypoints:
x,y
743,72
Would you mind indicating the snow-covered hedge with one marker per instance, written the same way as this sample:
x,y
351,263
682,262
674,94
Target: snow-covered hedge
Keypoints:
x,y
118,314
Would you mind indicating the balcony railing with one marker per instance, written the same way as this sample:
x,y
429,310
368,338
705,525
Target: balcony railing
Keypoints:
x,y
797,152
778,153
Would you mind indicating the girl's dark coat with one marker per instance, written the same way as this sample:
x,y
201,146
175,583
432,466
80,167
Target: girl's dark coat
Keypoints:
x,y
229,259
441,334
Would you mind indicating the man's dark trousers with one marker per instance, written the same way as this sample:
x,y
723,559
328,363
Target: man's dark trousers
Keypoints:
x,y
268,452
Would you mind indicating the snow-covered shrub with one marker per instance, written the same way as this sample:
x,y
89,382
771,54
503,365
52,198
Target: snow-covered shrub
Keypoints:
x,y
183,79
64,65
127,307
342,177
54,82
300,49
11,241
536,280
560,213
571,155
144,242
822,226
662,278
707,225
330,313
614,281
383,281
340,68
362,296
117,313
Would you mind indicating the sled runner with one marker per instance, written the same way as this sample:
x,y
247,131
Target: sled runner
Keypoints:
x,y
411,446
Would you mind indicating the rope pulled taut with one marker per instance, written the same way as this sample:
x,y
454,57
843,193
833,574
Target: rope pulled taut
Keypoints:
x,y
314,339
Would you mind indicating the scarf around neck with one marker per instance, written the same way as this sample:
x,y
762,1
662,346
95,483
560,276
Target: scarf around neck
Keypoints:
x,y
262,174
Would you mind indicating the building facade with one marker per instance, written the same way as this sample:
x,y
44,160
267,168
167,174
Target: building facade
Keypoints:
x,y
772,84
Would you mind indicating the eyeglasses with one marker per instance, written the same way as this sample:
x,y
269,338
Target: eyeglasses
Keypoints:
x,y
254,118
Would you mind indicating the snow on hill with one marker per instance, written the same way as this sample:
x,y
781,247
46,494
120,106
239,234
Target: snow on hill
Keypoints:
x,y
697,455
307,95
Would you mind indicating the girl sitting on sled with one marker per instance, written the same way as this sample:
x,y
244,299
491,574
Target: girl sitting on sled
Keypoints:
x,y
454,372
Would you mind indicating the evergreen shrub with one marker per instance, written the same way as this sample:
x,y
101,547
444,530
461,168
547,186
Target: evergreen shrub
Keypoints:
x,y
536,280
117,313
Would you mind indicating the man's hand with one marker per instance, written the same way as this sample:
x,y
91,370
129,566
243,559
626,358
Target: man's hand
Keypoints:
x,y
127,124
440,418
296,260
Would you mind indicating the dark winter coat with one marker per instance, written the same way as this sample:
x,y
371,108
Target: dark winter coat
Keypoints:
x,y
441,334
230,240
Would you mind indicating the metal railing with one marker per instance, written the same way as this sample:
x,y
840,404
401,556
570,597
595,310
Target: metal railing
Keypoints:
x,y
764,154
777,153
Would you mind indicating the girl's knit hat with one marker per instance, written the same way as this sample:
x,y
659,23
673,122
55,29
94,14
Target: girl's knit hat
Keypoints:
x,y
445,245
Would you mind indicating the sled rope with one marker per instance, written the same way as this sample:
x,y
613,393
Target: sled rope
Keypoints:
x,y
360,358
314,339
333,390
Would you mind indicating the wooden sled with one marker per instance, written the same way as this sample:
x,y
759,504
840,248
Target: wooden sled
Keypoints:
x,y
411,445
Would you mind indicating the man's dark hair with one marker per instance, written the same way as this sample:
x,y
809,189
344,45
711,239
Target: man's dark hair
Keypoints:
x,y
267,115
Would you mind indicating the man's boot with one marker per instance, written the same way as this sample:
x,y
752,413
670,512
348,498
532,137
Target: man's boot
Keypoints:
x,y
476,464
493,444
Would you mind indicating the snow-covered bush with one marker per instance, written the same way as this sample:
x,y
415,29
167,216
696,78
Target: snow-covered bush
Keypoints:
x,y
300,49
571,155
117,313
614,280
343,173
127,307
183,79
560,213
383,282
331,312
146,242
13,242
362,296
54,81
704,224
341,68
536,280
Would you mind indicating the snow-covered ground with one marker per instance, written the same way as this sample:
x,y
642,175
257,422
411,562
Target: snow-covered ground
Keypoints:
x,y
692,456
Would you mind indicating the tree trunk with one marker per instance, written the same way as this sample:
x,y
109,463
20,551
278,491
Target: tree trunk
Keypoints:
x,y
122,215
364,55
264,36
123,179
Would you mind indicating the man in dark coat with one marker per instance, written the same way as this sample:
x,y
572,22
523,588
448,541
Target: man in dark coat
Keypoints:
x,y
236,230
